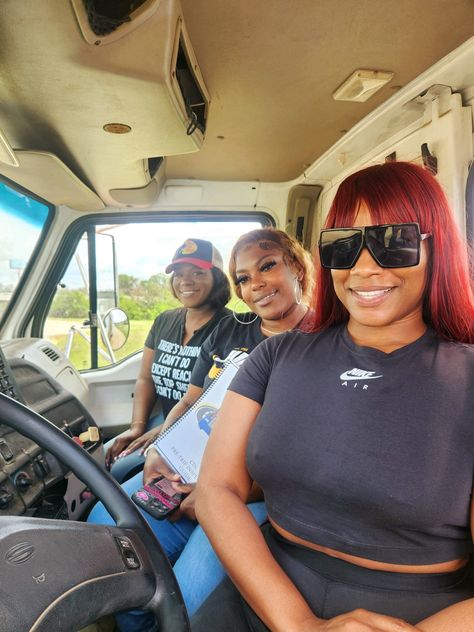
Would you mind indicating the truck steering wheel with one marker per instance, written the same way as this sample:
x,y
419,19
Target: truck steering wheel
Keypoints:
x,y
63,575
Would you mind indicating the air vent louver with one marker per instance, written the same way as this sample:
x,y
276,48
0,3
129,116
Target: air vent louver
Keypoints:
x,y
51,353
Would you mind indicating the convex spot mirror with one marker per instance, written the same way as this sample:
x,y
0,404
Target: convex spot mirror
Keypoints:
x,y
116,327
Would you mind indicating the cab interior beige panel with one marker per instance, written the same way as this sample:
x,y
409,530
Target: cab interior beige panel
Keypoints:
x,y
7,155
144,196
103,110
270,69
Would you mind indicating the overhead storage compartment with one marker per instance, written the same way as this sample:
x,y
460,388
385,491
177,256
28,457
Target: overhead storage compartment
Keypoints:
x,y
182,98
116,103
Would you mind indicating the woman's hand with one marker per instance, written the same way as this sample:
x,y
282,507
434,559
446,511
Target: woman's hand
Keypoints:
x,y
142,442
154,434
121,442
186,507
359,620
155,466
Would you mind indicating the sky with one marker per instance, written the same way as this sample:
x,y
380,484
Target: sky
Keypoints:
x,y
17,239
21,221
151,247
142,249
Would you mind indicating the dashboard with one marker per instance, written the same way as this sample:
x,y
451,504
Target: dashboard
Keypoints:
x,y
32,481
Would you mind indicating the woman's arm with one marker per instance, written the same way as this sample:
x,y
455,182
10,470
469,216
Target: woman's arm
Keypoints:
x,y
222,489
144,394
457,618
144,398
175,413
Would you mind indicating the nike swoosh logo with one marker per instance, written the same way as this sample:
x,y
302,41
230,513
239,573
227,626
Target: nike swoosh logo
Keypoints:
x,y
347,376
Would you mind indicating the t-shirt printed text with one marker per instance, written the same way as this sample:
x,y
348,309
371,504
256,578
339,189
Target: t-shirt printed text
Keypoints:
x,y
170,371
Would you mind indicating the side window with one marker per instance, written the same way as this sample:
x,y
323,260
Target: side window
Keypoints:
x,y
22,219
67,325
115,286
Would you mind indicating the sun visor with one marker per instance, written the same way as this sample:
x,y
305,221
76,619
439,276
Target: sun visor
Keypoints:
x,y
45,175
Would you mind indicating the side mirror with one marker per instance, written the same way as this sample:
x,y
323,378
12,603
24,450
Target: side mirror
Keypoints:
x,y
116,328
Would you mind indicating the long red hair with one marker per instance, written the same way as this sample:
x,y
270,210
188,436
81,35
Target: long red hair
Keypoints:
x,y
404,192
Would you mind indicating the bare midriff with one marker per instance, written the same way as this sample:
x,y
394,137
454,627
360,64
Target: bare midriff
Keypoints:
x,y
441,567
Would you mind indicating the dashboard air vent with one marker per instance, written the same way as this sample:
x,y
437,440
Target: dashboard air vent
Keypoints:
x,y
51,353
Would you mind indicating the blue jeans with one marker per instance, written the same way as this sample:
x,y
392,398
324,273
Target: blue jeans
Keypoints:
x,y
127,466
196,566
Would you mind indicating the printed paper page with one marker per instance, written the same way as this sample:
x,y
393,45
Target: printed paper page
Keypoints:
x,y
183,444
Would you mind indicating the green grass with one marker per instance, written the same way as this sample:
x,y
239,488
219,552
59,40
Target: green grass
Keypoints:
x,y
56,331
80,349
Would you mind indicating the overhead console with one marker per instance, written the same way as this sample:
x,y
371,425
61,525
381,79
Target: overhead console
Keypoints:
x,y
182,98
138,96
32,481
170,116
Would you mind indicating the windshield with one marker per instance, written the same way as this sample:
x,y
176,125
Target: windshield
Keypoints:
x,y
129,263
22,219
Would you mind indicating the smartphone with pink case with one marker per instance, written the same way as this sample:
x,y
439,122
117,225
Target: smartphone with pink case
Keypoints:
x,y
158,498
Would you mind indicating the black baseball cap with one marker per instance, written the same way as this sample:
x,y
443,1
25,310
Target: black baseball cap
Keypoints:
x,y
198,252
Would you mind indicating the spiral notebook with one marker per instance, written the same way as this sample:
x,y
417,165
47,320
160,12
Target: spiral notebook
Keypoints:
x,y
182,444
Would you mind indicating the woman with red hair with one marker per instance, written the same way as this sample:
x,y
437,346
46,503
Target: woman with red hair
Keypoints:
x,y
360,433
402,192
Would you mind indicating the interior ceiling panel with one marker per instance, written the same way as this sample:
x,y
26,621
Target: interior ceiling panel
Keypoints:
x,y
270,68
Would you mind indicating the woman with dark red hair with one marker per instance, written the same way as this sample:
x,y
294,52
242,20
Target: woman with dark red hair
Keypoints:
x,y
360,433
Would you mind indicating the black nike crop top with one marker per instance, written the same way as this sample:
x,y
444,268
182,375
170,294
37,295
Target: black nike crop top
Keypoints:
x,y
368,453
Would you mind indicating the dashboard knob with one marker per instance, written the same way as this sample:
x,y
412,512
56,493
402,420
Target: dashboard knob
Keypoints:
x,y
40,466
23,481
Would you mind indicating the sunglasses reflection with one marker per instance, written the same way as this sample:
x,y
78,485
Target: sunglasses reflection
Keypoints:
x,y
391,245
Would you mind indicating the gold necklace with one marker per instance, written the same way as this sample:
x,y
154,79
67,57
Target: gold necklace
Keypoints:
x,y
273,333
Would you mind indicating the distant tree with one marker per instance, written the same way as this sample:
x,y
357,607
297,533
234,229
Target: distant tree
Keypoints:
x,y
133,309
128,283
160,279
145,299
70,304
140,299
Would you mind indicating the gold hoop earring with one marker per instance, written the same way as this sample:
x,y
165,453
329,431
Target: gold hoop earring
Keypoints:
x,y
242,322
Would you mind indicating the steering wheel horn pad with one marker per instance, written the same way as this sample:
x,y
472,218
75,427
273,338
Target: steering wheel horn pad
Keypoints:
x,y
63,575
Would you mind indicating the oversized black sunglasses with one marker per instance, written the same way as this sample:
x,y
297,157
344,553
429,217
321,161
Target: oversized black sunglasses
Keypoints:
x,y
391,245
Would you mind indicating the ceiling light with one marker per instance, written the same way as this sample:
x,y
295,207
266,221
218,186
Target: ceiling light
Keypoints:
x,y
361,85
117,128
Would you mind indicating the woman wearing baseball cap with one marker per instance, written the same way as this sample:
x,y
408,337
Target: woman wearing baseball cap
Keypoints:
x,y
272,274
172,346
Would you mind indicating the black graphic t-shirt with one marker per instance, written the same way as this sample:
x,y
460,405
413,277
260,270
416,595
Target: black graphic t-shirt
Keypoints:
x,y
365,452
229,335
173,363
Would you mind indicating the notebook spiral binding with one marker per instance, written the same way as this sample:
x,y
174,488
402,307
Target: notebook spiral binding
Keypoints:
x,y
235,358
